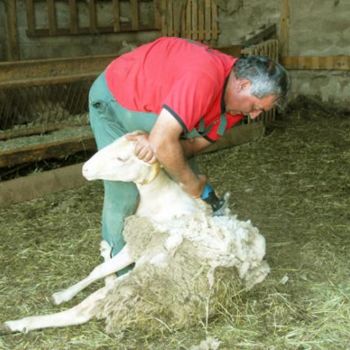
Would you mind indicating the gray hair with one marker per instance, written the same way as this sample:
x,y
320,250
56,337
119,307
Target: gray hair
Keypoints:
x,y
267,77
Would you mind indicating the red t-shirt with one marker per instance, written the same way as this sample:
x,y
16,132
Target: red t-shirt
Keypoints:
x,y
186,78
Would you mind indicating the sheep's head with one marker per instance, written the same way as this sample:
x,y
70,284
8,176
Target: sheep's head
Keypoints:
x,y
118,162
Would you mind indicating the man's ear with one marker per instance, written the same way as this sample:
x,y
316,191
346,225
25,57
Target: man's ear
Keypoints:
x,y
244,84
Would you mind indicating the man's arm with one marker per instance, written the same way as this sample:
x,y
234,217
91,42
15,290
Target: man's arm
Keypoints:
x,y
165,142
193,146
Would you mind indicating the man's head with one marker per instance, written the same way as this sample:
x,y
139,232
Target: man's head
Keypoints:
x,y
256,84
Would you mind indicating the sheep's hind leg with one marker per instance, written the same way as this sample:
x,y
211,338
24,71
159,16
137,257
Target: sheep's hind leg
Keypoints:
x,y
78,314
118,262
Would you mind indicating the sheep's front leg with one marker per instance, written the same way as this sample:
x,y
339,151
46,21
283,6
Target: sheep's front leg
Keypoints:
x,y
106,253
118,262
78,314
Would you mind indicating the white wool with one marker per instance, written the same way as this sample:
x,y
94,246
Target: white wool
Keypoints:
x,y
221,240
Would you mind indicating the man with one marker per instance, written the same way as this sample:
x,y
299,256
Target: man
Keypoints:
x,y
183,95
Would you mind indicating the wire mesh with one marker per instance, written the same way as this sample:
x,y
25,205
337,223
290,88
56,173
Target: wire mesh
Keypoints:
x,y
44,105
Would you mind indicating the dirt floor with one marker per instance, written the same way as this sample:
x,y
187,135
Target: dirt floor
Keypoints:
x,y
293,185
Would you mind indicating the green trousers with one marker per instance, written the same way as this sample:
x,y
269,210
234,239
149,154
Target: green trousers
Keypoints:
x,y
109,121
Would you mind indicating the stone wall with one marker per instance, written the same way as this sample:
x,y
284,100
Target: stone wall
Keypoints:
x,y
317,28
321,28
72,45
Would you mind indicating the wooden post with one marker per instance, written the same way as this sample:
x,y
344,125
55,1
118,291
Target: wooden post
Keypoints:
x,y
11,25
284,28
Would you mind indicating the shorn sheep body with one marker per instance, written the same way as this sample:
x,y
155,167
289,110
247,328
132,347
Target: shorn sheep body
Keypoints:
x,y
188,263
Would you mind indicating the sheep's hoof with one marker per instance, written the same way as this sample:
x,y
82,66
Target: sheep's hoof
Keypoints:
x,y
59,298
4,329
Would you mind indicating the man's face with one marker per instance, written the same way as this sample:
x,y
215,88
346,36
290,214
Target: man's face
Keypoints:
x,y
239,100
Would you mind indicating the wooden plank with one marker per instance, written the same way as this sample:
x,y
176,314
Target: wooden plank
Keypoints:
x,y
73,17
284,28
164,12
116,15
93,16
201,30
45,150
341,62
39,184
53,67
64,79
33,130
11,26
194,29
134,10
188,20
207,19
51,12
238,135
30,17
170,18
157,14
214,20
234,50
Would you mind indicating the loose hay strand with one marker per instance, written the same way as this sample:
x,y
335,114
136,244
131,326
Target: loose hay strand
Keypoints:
x,y
293,185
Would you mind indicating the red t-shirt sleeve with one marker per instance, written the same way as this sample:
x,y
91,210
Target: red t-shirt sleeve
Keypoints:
x,y
190,98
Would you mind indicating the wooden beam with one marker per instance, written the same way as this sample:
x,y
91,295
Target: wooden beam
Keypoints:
x,y
73,17
30,17
284,28
51,11
46,148
93,16
116,15
11,25
238,135
37,185
36,70
316,62
134,10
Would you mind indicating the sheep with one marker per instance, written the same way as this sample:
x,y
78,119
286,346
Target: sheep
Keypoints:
x,y
186,260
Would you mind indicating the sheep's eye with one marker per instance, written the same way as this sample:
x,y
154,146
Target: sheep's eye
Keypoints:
x,y
121,159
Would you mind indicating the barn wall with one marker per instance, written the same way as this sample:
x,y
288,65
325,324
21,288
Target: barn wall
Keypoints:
x,y
71,46
320,28
238,18
317,28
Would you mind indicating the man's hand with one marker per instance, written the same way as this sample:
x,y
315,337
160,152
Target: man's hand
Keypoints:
x,y
143,148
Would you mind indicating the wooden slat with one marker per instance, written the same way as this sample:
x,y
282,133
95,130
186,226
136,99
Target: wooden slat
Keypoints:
x,y
30,16
317,62
214,20
134,10
188,29
11,24
194,29
39,184
177,11
116,15
73,17
164,12
157,14
207,19
201,32
51,11
93,16
12,72
170,18
284,28
46,150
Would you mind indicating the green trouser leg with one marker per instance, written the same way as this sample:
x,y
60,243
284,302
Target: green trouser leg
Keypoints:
x,y
109,121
